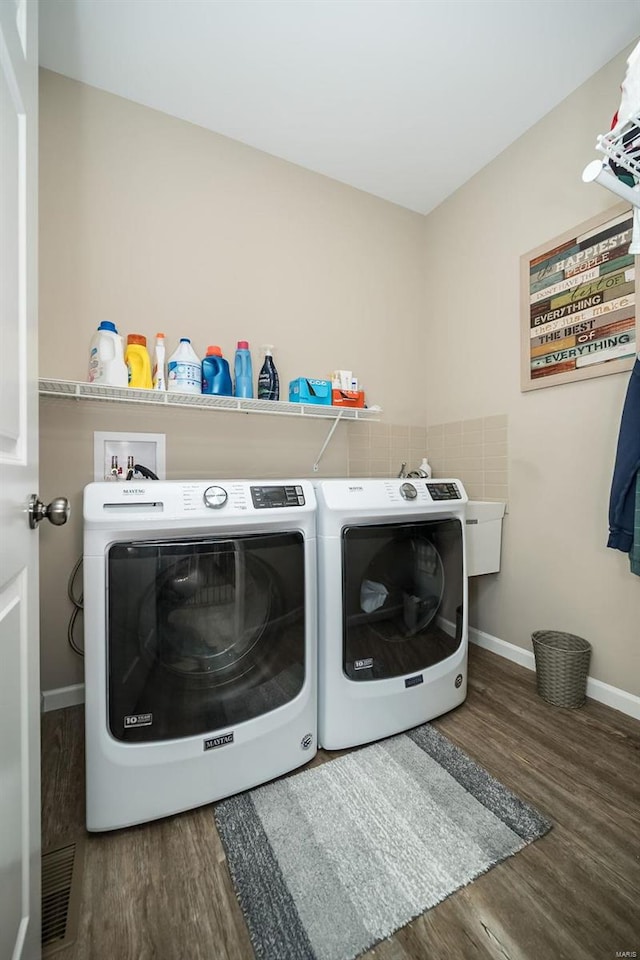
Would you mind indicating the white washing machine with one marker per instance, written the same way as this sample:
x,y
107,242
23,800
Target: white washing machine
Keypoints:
x,y
392,606
200,642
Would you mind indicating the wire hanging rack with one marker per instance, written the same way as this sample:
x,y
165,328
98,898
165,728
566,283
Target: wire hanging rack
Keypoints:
x,y
621,147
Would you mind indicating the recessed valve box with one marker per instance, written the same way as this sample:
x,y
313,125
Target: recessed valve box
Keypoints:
x,y
114,452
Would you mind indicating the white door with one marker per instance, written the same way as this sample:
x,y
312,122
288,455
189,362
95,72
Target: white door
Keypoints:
x,y
19,654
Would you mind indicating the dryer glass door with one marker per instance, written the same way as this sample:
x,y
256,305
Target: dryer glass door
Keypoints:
x,y
203,634
402,597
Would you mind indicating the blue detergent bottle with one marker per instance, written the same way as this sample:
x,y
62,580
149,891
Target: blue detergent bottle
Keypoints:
x,y
216,378
243,371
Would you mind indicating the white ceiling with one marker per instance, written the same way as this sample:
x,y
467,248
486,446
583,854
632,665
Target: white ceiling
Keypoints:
x,y
405,99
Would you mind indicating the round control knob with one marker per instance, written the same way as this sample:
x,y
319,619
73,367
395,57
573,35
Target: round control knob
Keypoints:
x,y
215,497
408,491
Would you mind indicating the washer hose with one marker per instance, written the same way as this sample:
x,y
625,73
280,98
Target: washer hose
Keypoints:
x,y
78,605
143,471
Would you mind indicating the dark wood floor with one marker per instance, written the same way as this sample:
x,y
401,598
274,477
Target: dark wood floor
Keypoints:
x,y
162,890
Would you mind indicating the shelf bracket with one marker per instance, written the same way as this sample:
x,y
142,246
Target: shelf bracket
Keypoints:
x,y
327,441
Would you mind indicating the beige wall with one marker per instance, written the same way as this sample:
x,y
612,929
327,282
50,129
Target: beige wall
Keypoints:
x,y
556,569
157,224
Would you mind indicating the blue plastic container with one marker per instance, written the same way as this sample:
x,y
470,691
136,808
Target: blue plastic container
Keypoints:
x,y
216,378
243,371
305,390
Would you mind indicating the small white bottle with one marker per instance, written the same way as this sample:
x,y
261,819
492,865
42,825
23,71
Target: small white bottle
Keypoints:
x,y
159,379
184,369
424,469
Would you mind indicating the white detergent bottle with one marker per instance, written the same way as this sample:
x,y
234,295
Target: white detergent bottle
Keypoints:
x,y
106,357
184,369
424,469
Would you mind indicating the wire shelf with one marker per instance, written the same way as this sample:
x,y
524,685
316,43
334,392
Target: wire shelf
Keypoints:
x,y
77,390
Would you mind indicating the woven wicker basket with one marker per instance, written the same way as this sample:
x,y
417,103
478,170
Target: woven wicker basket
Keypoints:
x,y
562,664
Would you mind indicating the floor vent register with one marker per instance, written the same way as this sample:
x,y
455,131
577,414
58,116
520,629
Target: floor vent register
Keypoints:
x,y
61,884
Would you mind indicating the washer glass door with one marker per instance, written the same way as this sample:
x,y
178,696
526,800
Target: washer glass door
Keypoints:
x,y
203,633
402,597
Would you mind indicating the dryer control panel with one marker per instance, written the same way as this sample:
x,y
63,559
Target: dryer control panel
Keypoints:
x,y
444,491
277,496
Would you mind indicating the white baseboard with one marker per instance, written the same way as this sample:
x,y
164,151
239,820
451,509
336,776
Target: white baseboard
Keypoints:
x,y
62,697
507,650
602,692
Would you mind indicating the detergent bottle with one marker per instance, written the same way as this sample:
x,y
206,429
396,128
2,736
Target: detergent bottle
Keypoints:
x,y
106,358
138,362
159,358
216,378
243,370
184,370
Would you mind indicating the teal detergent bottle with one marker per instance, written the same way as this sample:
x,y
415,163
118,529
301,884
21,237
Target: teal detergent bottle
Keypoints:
x,y
243,371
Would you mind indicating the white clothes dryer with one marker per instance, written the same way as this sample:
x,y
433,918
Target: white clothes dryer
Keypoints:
x,y
200,642
392,606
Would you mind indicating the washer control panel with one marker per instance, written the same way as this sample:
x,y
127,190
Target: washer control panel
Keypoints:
x,y
277,496
444,491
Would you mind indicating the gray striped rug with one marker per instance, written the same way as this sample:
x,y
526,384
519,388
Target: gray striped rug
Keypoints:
x,y
329,861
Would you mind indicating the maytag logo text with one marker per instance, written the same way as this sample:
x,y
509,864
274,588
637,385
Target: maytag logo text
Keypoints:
x,y
212,742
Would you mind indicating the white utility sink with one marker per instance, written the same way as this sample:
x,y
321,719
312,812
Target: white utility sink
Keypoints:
x,y
484,536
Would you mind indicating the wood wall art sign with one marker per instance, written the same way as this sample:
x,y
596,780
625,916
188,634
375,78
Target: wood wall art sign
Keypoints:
x,y
579,303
